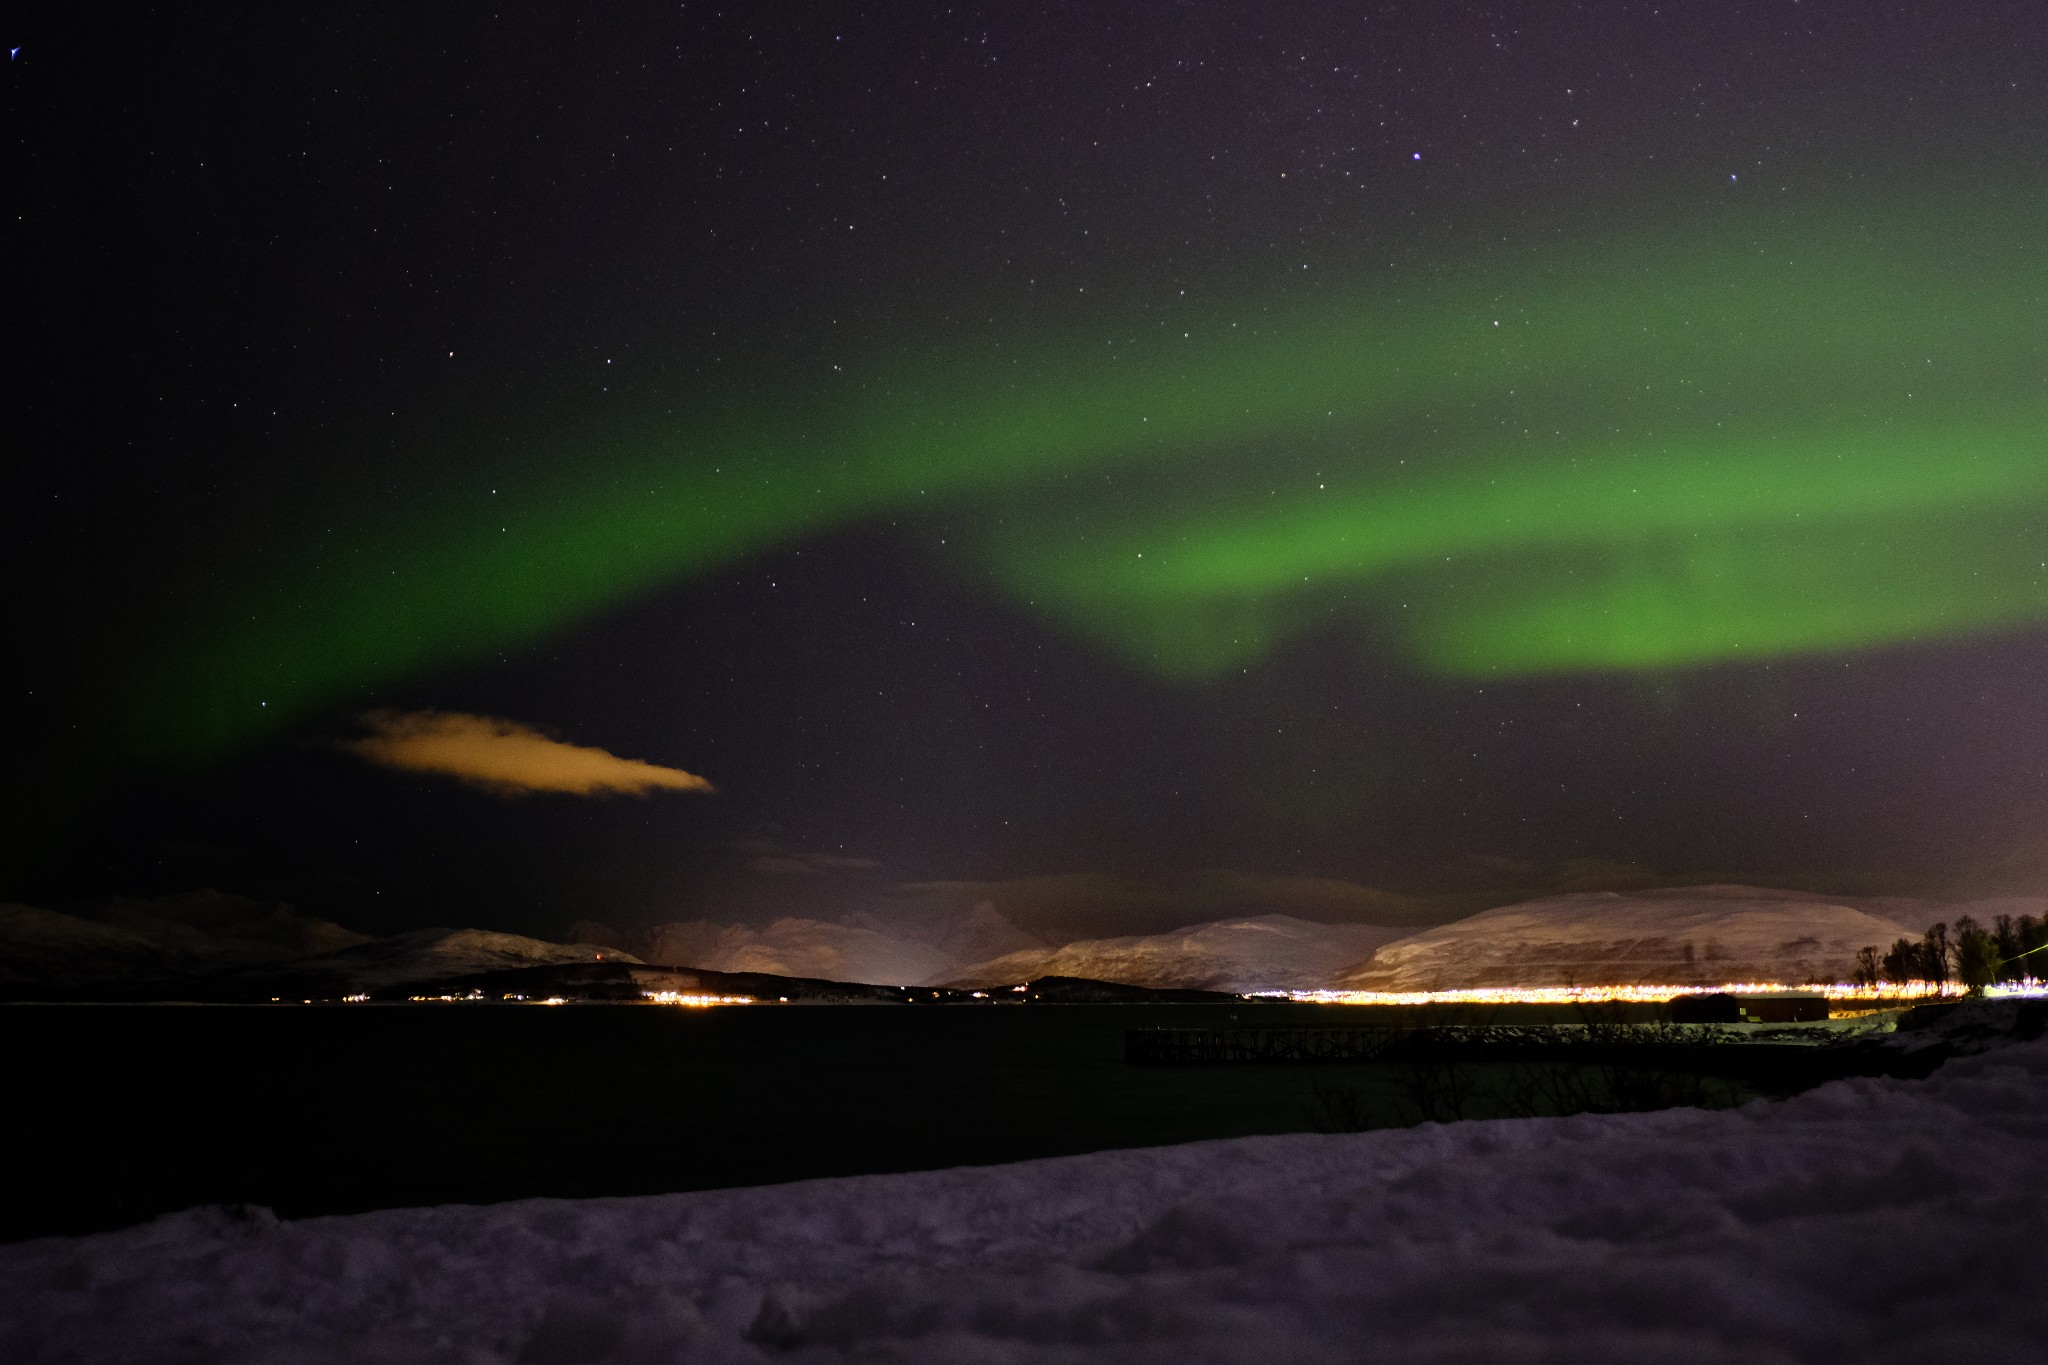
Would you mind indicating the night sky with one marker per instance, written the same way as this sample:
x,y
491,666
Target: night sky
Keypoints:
x,y
1167,459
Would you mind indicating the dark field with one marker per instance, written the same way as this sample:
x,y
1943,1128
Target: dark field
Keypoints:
x,y
124,1112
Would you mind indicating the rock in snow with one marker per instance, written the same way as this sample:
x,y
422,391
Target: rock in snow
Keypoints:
x,y
1699,935
1866,1222
1258,953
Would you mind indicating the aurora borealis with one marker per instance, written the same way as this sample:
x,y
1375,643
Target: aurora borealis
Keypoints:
x,y
1691,447
1440,451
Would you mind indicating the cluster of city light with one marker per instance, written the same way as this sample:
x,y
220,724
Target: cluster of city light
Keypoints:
x,y
693,1000
1838,991
510,998
1644,994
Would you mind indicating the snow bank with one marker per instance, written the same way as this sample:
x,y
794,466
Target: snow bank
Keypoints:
x,y
1866,1222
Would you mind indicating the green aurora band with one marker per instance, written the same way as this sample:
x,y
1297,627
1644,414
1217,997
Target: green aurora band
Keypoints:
x,y
1729,443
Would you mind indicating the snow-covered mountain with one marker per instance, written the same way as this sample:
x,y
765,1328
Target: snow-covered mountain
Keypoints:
x,y
1259,952
796,947
981,933
215,927
1698,935
47,950
209,946
434,955
903,951
130,945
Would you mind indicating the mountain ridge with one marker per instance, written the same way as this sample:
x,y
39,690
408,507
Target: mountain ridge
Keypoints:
x,y
207,946
1670,936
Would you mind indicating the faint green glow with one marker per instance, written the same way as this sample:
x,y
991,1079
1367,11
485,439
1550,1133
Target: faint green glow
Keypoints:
x,y
1737,596
1734,442
1790,543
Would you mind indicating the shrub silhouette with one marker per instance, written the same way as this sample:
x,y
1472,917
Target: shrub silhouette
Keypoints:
x,y
1973,955
1976,955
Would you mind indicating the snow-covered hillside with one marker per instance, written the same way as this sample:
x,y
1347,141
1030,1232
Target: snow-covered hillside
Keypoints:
x,y
1262,952
44,950
436,954
1690,935
795,947
1683,936
142,943
1866,1221
206,945
228,929
860,948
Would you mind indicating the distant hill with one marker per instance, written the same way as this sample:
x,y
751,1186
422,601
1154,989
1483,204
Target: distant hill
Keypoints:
x,y
1255,953
206,946
794,947
211,947
1698,935
234,929
148,949
46,952
870,951
423,956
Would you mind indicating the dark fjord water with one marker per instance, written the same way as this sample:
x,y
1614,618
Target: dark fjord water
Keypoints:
x,y
131,1111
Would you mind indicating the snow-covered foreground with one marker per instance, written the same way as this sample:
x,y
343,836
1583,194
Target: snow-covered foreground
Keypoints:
x,y
1865,1222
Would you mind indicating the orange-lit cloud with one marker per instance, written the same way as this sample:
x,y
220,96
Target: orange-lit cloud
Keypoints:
x,y
506,758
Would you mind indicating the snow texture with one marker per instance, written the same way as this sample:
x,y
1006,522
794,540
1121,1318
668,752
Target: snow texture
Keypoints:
x,y
1701,935
1258,953
1866,1222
